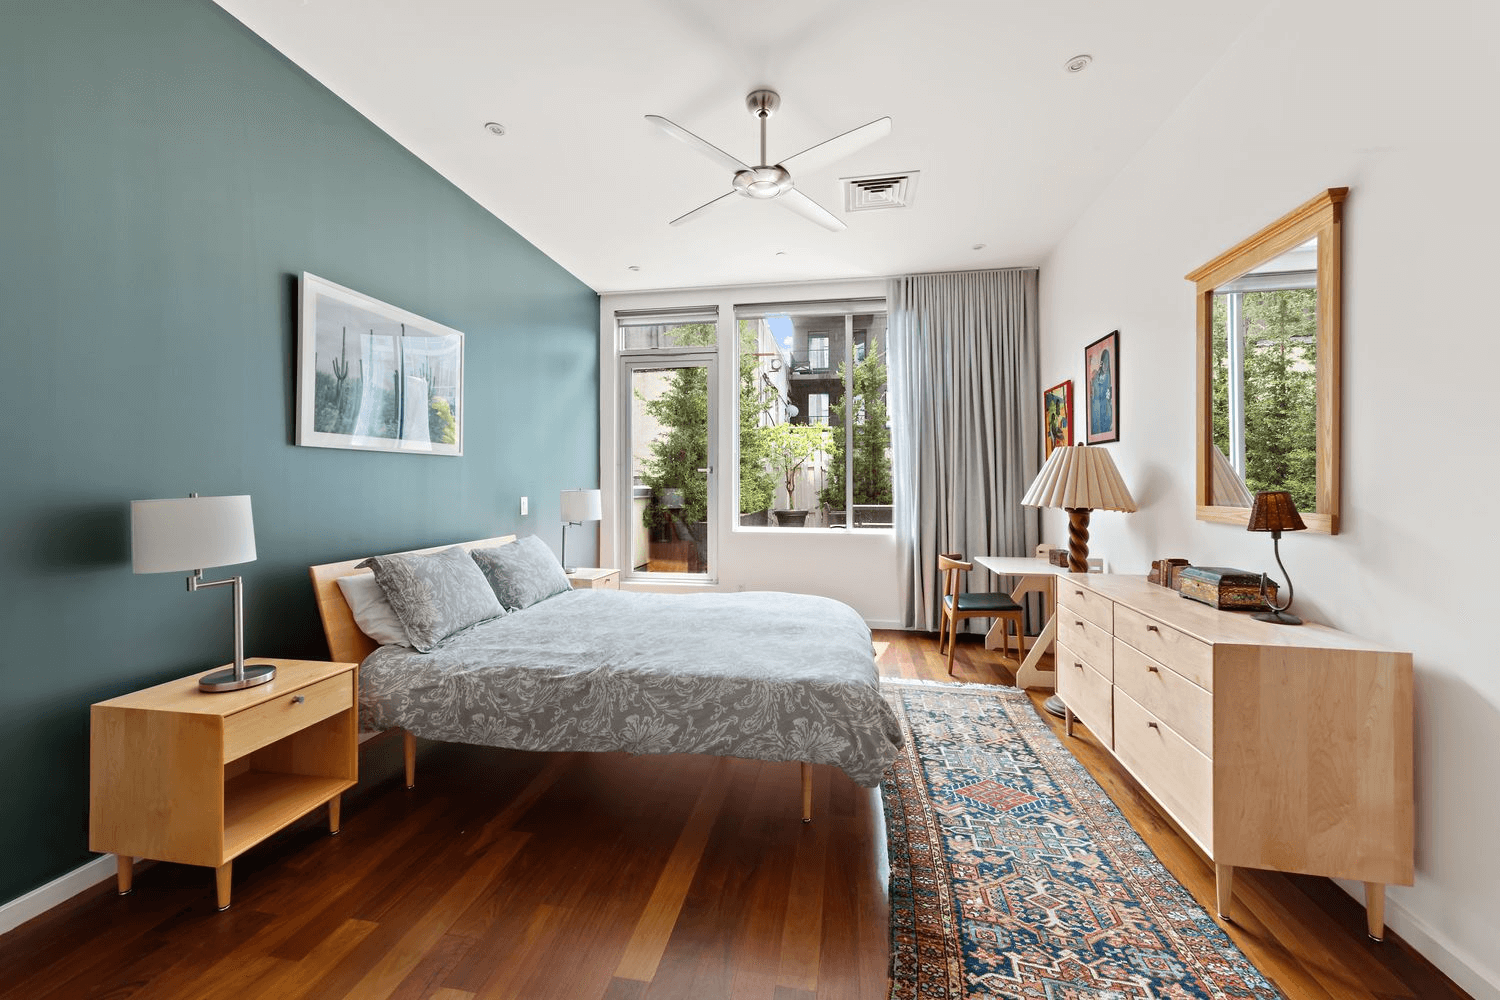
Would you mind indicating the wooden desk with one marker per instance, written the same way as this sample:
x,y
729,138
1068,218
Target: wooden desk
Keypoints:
x,y
1036,576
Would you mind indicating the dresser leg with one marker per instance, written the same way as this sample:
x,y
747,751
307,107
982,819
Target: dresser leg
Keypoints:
x,y
1375,910
1067,721
806,793
124,873
1223,888
410,749
333,814
221,883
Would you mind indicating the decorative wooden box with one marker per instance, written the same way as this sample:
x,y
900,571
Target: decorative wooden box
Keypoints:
x,y
1223,587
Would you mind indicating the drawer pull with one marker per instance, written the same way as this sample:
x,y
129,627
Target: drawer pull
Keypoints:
x,y
1078,592
1152,725
1152,628
1079,624
1152,670
298,699
1078,665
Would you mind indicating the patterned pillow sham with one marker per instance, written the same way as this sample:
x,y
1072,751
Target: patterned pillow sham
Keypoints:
x,y
435,594
372,612
523,573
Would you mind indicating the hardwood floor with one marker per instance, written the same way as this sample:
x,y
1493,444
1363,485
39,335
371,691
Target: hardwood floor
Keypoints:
x,y
507,874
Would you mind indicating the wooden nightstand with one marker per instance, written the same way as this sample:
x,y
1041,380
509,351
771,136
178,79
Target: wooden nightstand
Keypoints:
x,y
585,578
178,774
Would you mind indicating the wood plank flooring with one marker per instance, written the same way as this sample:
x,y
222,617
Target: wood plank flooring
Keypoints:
x,y
605,877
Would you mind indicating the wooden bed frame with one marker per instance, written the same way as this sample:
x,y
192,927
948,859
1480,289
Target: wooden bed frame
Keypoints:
x,y
347,644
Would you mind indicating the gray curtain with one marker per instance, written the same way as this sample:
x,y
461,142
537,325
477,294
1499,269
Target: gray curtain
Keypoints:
x,y
965,424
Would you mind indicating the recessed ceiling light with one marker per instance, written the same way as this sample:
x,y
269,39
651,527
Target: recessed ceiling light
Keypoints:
x,y
1078,63
633,267
495,128
979,246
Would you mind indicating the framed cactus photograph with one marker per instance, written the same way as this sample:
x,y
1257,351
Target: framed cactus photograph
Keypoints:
x,y
373,377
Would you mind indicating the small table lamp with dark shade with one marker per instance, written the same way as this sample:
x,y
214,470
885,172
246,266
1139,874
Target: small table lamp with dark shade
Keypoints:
x,y
1275,511
1080,480
193,533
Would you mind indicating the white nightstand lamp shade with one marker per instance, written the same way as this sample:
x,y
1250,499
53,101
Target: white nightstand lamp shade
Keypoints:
x,y
191,534
577,506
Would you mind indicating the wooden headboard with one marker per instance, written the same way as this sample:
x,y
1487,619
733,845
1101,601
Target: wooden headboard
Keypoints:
x,y
346,643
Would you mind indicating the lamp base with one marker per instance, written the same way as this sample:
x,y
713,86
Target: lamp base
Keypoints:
x,y
1054,705
1276,617
224,680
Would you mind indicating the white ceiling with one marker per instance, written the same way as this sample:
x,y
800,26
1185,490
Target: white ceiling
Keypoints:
x,y
1011,148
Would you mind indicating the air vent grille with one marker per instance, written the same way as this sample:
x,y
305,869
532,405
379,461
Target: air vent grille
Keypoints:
x,y
877,191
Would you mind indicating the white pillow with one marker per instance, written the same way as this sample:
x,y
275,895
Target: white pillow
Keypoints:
x,y
372,611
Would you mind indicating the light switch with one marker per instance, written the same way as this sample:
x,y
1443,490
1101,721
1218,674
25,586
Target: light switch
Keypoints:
x,y
524,505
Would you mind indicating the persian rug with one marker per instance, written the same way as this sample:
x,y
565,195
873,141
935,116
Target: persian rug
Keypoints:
x,y
1013,874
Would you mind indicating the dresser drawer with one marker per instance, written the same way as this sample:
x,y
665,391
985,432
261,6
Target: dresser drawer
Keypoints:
x,y
1087,641
1176,774
283,715
1164,644
1088,693
1084,603
1171,697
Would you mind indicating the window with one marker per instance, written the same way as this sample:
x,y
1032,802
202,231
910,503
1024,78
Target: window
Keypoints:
x,y
817,408
802,460
817,353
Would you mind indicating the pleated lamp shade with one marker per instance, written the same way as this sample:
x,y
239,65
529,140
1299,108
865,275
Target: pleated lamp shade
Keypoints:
x,y
1077,477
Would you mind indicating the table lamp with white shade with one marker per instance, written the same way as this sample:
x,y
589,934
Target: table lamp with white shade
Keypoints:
x,y
1080,480
191,534
578,506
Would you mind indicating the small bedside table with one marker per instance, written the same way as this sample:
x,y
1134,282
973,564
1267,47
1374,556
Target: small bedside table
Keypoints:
x,y
178,774
585,578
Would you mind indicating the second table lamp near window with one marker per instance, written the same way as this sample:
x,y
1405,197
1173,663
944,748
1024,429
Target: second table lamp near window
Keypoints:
x,y
578,506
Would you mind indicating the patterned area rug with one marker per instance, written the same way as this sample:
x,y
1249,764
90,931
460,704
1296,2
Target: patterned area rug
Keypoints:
x,y
1013,875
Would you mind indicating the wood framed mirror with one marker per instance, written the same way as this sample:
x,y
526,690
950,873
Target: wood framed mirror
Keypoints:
x,y
1269,329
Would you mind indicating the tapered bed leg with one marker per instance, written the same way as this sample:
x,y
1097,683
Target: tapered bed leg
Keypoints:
x,y
124,873
223,876
411,759
333,814
807,793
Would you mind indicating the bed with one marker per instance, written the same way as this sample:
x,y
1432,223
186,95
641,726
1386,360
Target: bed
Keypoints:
x,y
768,676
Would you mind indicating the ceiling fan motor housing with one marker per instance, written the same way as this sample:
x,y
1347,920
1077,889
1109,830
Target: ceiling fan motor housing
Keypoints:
x,y
762,182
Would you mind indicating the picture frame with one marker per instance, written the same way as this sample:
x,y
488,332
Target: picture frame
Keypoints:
x,y
374,377
1101,373
1057,417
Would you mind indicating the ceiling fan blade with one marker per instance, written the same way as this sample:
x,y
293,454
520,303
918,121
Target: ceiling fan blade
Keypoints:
x,y
804,206
838,147
690,216
708,149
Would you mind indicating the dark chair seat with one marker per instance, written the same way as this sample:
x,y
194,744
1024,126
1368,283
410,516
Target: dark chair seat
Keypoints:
x,y
984,602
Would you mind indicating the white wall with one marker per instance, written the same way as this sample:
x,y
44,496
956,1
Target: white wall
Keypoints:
x,y
856,567
1399,103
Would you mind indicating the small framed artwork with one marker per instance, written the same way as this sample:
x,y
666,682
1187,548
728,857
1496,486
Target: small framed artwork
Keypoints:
x,y
373,377
1057,417
1101,366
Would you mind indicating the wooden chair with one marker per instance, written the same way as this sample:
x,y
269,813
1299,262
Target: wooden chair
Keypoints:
x,y
957,607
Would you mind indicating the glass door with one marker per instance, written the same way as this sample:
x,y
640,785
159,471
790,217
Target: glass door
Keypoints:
x,y
670,476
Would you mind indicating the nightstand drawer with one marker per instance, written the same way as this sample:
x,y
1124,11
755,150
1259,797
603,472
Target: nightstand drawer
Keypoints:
x,y
285,714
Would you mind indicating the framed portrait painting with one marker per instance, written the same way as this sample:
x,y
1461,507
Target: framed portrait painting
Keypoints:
x,y
1101,366
1057,417
373,377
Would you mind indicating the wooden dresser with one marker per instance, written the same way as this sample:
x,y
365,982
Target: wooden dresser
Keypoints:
x,y
1272,746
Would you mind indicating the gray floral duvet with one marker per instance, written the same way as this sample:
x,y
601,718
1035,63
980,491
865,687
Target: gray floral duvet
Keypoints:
x,y
768,676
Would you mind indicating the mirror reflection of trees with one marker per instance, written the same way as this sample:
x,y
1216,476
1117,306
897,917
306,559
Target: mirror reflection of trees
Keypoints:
x,y
1280,394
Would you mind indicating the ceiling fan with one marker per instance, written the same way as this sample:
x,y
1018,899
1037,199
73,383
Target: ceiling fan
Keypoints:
x,y
774,181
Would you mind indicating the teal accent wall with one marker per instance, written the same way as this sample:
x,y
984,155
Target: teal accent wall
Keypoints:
x,y
165,177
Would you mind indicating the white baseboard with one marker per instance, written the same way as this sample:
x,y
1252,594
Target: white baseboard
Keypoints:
x,y
1465,970
58,891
